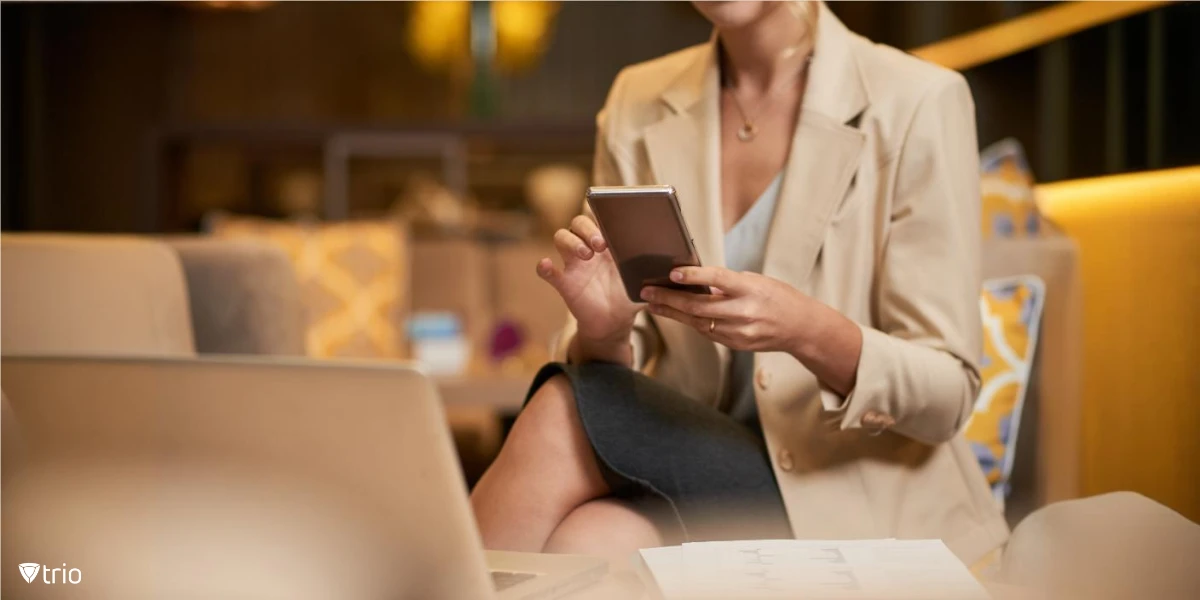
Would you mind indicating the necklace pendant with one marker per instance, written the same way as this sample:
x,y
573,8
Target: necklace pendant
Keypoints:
x,y
747,132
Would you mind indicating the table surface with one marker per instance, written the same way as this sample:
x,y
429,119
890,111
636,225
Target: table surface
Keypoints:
x,y
623,582
504,392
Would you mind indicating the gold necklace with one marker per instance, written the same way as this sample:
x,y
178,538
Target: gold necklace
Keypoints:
x,y
748,131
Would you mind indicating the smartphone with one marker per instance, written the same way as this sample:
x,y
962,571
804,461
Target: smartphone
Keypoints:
x,y
646,234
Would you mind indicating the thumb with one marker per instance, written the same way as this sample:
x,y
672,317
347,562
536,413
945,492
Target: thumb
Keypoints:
x,y
550,273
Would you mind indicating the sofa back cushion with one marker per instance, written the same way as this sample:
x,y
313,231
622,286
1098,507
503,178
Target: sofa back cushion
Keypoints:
x,y
92,295
244,295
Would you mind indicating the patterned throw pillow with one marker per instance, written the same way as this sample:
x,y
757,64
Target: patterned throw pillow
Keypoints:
x,y
1012,314
353,277
1009,210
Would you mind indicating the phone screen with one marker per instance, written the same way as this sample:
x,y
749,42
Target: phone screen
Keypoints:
x,y
646,234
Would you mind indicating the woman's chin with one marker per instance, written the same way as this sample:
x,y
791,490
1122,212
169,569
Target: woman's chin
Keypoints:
x,y
733,14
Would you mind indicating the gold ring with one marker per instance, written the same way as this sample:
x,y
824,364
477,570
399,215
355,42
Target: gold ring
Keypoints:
x,y
712,325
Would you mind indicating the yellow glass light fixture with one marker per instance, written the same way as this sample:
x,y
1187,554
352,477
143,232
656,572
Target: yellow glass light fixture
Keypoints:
x,y
522,32
440,34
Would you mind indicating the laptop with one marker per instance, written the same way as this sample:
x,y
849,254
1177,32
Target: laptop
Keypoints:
x,y
246,477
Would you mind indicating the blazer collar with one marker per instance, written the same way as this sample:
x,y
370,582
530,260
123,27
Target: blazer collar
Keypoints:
x,y
684,150
836,88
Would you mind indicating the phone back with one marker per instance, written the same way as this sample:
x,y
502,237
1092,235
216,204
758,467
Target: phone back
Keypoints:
x,y
646,234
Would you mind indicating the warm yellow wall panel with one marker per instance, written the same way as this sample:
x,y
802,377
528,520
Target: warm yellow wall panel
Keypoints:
x,y
1139,241
1022,33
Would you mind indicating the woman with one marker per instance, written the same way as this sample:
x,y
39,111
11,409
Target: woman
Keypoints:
x,y
831,186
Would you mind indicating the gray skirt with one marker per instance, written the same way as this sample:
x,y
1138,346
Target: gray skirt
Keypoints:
x,y
697,473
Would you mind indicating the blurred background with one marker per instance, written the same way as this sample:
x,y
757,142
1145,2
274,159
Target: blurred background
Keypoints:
x,y
144,116
406,162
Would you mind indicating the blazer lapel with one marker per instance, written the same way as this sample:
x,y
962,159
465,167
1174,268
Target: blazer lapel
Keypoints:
x,y
823,161
824,155
684,150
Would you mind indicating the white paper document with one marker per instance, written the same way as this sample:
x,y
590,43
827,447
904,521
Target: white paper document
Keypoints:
x,y
859,569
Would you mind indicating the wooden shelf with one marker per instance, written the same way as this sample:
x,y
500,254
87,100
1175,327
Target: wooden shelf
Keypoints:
x,y
486,160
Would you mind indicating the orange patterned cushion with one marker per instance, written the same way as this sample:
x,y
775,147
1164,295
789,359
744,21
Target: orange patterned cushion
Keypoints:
x,y
1012,314
1006,184
353,276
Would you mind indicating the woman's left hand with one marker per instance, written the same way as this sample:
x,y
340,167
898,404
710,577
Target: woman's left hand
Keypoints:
x,y
746,311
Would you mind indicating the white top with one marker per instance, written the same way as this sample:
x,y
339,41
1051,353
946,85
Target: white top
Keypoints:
x,y
745,246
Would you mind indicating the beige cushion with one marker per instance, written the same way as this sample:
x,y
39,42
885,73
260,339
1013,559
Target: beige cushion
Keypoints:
x,y
1119,545
1047,459
90,295
245,298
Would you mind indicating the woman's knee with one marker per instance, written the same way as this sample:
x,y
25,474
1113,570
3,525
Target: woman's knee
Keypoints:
x,y
605,526
554,398
548,440
550,419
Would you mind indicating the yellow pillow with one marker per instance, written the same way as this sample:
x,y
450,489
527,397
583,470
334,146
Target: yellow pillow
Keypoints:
x,y
1012,313
353,277
1006,183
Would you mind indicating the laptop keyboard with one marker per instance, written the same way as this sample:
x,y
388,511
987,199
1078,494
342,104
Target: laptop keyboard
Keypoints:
x,y
503,580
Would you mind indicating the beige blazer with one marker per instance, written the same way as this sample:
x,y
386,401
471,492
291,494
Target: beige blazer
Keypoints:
x,y
878,217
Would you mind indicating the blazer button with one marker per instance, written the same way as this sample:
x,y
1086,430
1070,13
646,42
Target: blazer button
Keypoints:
x,y
876,422
763,378
785,460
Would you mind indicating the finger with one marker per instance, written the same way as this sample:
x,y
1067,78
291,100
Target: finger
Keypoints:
x,y
700,324
550,273
701,305
730,282
570,247
718,330
587,230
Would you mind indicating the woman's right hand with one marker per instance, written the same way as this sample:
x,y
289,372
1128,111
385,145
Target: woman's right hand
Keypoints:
x,y
591,287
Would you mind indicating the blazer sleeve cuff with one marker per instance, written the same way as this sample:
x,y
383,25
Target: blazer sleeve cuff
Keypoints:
x,y
638,341
870,390
643,341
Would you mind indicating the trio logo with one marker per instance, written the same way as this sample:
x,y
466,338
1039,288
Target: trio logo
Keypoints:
x,y
29,571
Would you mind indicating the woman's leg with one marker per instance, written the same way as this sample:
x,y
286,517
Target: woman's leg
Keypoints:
x,y
545,470
605,527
